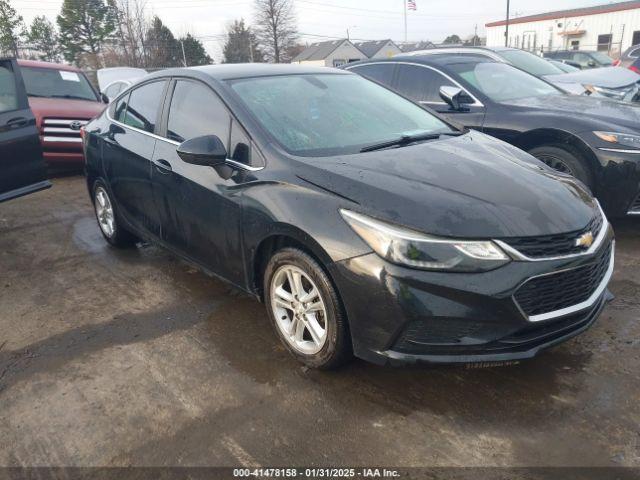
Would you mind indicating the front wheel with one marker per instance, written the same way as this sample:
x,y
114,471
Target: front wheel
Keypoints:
x,y
110,226
305,310
565,159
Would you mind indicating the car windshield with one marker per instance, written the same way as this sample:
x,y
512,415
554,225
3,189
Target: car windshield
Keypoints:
x,y
501,82
51,83
332,114
530,63
602,58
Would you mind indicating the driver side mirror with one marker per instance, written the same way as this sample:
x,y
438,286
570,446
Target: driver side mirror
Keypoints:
x,y
455,97
208,151
591,63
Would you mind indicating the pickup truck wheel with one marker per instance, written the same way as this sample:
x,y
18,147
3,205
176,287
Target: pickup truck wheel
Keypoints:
x,y
565,159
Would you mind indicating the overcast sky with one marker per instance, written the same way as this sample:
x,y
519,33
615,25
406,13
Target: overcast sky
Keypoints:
x,y
317,19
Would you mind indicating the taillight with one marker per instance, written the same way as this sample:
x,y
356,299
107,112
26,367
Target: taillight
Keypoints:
x,y
617,63
634,68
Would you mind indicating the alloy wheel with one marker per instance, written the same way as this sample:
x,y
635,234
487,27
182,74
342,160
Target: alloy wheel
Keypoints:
x,y
104,212
299,309
557,164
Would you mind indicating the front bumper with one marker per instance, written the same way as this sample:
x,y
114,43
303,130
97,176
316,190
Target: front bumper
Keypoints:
x,y
400,315
618,183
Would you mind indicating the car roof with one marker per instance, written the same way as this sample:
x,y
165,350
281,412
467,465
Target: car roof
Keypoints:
x,y
246,70
52,66
441,59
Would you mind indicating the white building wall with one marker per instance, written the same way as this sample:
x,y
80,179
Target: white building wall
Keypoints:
x,y
548,33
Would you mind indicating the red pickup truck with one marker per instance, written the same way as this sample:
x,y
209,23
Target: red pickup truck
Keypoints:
x,y
62,101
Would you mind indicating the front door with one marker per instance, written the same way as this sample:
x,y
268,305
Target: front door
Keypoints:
x,y
22,168
129,147
422,84
199,206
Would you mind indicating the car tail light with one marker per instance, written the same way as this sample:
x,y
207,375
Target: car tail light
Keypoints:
x,y
617,63
634,68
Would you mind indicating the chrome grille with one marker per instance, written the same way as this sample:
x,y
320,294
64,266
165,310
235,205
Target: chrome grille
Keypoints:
x,y
554,245
60,129
635,206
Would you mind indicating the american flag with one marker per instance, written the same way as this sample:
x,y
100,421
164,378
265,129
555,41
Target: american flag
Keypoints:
x,y
411,5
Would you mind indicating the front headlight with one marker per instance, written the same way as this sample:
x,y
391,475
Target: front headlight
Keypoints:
x,y
413,249
622,139
618,94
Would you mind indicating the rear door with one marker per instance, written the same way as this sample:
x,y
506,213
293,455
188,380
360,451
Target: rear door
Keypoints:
x,y
128,152
22,168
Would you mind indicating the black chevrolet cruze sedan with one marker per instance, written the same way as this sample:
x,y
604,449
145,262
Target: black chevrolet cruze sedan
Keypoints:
x,y
365,223
594,139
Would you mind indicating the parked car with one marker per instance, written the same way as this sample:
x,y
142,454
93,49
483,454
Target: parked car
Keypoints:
x,y
22,169
617,83
62,100
596,140
565,67
581,59
363,221
112,81
631,59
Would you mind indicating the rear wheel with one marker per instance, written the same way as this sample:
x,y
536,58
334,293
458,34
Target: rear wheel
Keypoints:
x,y
565,159
305,310
106,214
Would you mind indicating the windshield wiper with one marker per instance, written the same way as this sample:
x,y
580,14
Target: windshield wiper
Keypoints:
x,y
408,139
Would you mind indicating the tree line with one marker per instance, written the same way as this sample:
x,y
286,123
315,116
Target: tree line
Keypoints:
x,y
94,34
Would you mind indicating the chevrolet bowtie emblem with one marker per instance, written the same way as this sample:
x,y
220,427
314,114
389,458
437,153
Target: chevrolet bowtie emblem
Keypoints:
x,y
585,241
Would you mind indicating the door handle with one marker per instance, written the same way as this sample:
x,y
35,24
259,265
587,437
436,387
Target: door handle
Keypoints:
x,y
163,166
17,122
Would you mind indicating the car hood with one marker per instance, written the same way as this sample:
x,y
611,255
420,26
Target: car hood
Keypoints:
x,y
65,108
472,186
590,111
607,77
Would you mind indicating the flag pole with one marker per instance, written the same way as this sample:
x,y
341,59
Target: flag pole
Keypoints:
x,y
404,3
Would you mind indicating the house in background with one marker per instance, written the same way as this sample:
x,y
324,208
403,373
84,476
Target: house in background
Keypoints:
x,y
415,46
333,53
609,28
379,48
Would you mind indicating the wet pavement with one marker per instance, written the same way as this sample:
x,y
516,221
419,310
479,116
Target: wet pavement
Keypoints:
x,y
118,358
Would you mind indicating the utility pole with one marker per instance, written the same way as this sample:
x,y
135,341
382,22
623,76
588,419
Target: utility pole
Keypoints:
x,y
475,35
506,32
184,57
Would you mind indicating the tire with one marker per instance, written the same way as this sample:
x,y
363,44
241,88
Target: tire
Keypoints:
x,y
313,314
108,220
565,159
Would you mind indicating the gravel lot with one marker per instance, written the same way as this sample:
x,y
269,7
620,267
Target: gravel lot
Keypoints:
x,y
117,358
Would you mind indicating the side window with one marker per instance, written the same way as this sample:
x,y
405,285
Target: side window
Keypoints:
x,y
420,84
196,111
120,109
8,94
143,105
242,148
380,72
